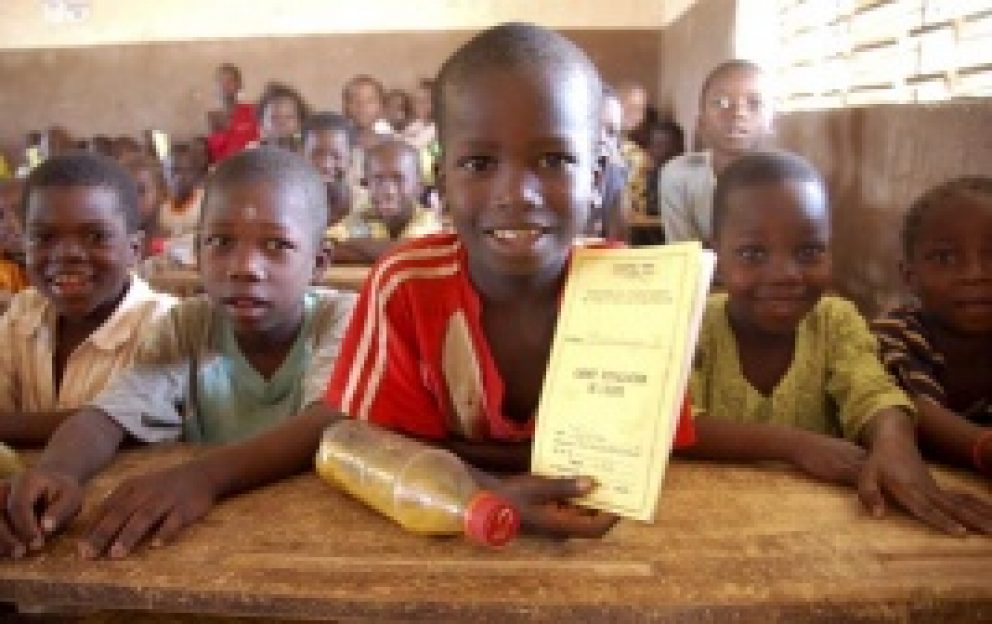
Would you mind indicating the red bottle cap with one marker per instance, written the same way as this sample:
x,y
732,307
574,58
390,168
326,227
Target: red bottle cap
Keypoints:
x,y
490,520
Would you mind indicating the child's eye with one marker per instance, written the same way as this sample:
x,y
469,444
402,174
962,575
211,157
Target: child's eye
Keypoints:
x,y
943,257
39,237
556,160
752,254
216,241
476,164
278,244
98,237
810,253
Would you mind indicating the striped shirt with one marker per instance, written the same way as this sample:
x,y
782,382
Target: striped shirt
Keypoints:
x,y
28,334
910,357
415,357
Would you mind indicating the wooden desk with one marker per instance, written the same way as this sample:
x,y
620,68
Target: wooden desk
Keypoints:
x,y
187,282
731,545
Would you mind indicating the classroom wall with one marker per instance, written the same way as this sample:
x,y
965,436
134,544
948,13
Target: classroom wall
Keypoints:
x,y
126,88
876,160
691,44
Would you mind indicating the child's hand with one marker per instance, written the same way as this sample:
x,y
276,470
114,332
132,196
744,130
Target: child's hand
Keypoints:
x,y
830,459
896,470
155,506
37,503
544,507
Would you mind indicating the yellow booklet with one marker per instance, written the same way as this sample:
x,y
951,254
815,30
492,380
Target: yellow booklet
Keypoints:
x,y
618,371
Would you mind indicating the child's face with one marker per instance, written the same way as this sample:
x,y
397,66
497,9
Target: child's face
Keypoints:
x,y
519,173
773,251
258,255
951,265
329,152
422,104
280,119
228,84
78,248
364,105
396,112
150,195
184,175
736,112
663,147
634,102
394,184
612,116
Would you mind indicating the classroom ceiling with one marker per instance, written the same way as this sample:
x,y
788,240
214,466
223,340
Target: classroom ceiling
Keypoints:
x,y
72,23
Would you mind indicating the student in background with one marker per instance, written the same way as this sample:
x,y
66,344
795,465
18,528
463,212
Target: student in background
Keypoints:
x,y
235,126
609,216
421,131
253,351
735,117
398,109
281,111
393,212
940,348
67,337
363,100
185,180
634,105
519,119
327,144
13,278
665,141
153,197
786,373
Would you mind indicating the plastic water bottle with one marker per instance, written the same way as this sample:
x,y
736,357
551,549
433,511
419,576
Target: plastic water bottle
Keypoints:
x,y
424,489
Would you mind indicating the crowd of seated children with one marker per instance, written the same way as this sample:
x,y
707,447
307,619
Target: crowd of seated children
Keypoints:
x,y
76,328
735,117
664,141
489,293
451,332
235,125
784,372
281,112
393,212
153,197
421,131
940,346
397,109
253,351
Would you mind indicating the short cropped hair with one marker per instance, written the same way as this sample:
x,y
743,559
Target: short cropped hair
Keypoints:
x,y
392,144
230,68
954,188
281,168
335,122
757,168
277,90
358,79
520,47
80,168
724,68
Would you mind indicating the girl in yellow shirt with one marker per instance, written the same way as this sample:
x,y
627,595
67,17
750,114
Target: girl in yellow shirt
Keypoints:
x,y
781,370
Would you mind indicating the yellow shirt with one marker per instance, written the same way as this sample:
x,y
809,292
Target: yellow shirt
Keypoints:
x,y
834,385
363,224
636,160
27,332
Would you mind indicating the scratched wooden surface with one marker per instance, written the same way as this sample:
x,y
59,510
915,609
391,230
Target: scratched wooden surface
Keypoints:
x,y
731,544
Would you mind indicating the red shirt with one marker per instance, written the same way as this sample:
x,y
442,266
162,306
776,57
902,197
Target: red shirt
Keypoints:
x,y
242,129
415,359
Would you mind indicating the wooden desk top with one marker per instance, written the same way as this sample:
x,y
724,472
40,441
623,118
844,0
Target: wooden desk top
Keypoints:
x,y
731,544
186,282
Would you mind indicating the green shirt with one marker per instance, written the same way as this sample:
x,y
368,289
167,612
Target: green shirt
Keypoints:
x,y
834,385
191,380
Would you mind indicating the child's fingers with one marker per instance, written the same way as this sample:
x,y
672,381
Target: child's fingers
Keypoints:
x,y
111,517
170,527
565,522
62,505
547,490
869,491
923,508
145,519
966,509
10,546
25,493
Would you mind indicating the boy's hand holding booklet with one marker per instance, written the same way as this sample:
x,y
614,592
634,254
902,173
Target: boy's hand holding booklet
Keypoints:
x,y
619,368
